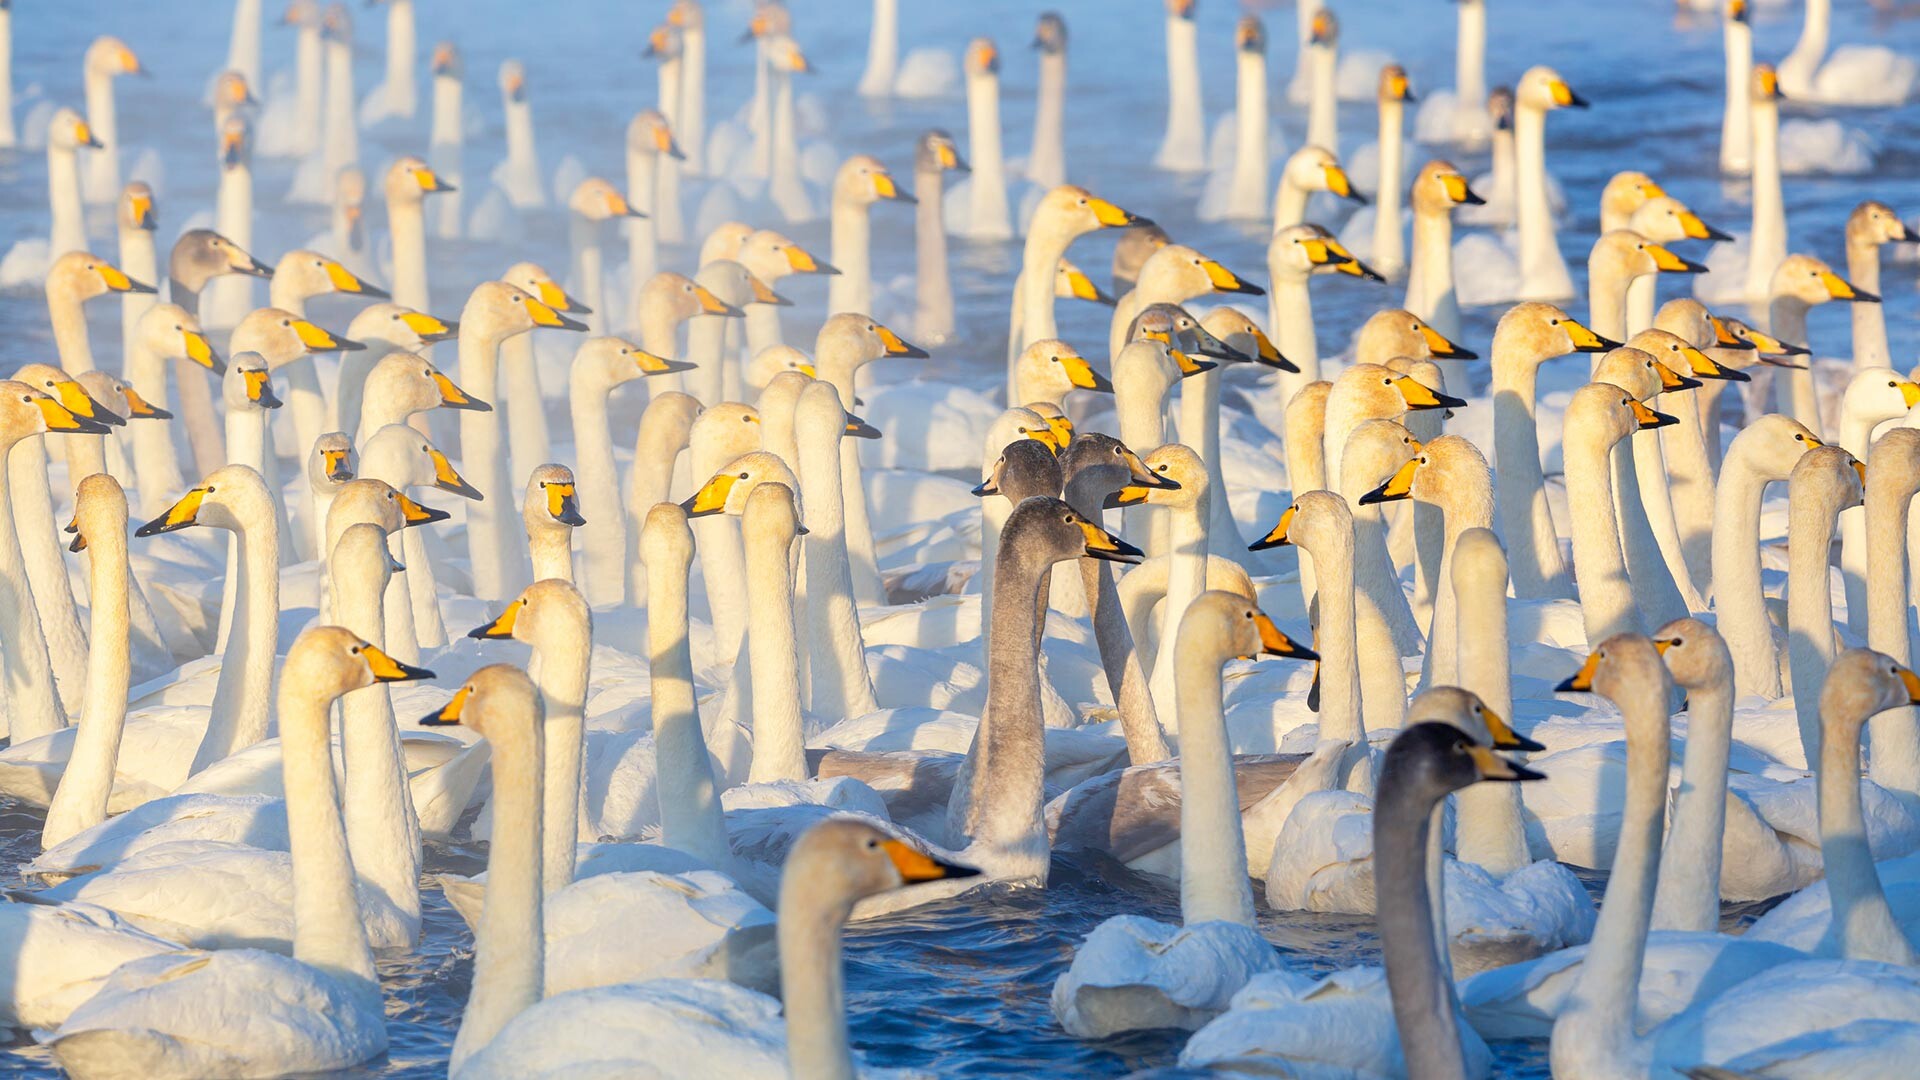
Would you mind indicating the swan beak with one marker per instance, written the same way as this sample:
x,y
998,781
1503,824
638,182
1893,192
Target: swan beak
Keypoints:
x,y
1860,467
950,159
1110,216
1140,476
885,187
1667,262
449,714
1696,229
452,397
1910,393
428,328
650,364
139,408
712,496
564,505
1265,352
914,865
178,516
543,315
1062,430
337,464
1459,192
1188,365
120,282
1419,395
430,181
244,263
318,340
1912,682
1278,536
1564,97
1102,544
412,513
446,478
1131,495
713,305
1081,287
260,389
74,399
140,211
1737,11
1398,486
1081,374
1706,367
896,346
83,134
1340,184
79,539
764,294
1504,737
386,669
346,281
1580,682
200,351
1492,766
618,206
1841,289
1441,348
1585,340
991,485
1275,643
803,262
502,627
1226,281
1648,419
1724,338
860,429
1353,266
1671,380
555,297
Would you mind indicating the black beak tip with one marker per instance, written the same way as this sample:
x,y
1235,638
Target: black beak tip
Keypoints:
x,y
1300,652
1717,234
374,292
140,287
1862,296
1565,686
985,488
1264,544
1521,742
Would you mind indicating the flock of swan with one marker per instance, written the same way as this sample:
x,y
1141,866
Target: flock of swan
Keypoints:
x,y
791,672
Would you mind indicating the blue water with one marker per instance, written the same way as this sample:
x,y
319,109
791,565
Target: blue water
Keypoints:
x,y
960,988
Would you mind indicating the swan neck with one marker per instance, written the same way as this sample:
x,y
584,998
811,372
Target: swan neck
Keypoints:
x,y
1213,871
327,931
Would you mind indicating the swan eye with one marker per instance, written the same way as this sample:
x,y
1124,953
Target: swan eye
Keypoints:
x,y
1799,438
1162,468
286,322
1553,322
209,489
873,845
743,476
355,650
28,398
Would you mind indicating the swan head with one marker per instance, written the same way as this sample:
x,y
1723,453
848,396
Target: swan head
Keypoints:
x,y
1238,627
236,141
1439,187
1099,466
410,180
1771,350
1185,271
981,59
110,56
1070,210
1677,356
1601,414
1531,332
1027,466
446,60
1640,373
1177,477
678,298
775,360
1072,283
360,555
1860,684
863,181
1399,332
1667,219
202,254
1377,391
1375,451
1448,471
1690,321
1463,709
1250,35
332,461
596,199
367,499
501,704
1018,423
99,513
136,207
68,130
853,339
1880,394
1766,85
649,134
169,332
770,17
1050,33
663,44
1315,168
1812,281
282,337
727,491
542,610
336,24
26,410
1428,761
1324,30
1135,246
1773,444
84,276
398,446
610,361
1240,334
1055,367
70,393
936,151
1043,530
232,497
1317,521
1542,89
725,431
1306,249
1873,223
328,661
512,77
505,310
1736,11
772,255
1838,477
1626,254
687,15
843,860
248,384
1500,108
122,399
1627,670
552,498
1395,87
1626,192
302,13
666,543
314,274
1186,340
1695,654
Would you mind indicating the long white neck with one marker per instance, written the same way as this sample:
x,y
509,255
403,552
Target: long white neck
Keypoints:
x,y
1183,149
667,218
446,129
603,539
1047,161
1691,484
522,156
1688,897
1213,857
1869,320
1543,272
1039,263
33,704
811,980
933,288
836,652
1539,569
563,653
863,560
138,261
656,449
1383,693
989,215
1491,832
1607,605
156,468
341,134
70,340
1290,318
407,223
243,48
779,739
528,444
691,126
1289,208
63,196
853,254
1389,246
230,296
883,50
1673,592
1797,70
327,931
785,185
509,947
9,137
1250,157
1862,927
1736,122
1736,580
103,165
1430,288
643,239
245,688
587,270
309,64
1896,741
52,589
1186,581
1768,244
401,47
1323,103
690,818
552,551
81,800
1810,528
492,553
1470,56
1337,642
1595,1034
444,154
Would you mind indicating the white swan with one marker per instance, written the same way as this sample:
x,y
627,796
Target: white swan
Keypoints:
x,y
447,135
1853,75
1437,190
1870,225
107,58
860,182
1543,273
1047,160
1183,147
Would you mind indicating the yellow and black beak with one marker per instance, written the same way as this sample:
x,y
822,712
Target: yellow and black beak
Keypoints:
x,y
1724,338
1265,352
1671,380
502,627
1139,475
1492,766
1102,544
1082,376
452,397
346,281
337,464
1860,467
1398,486
119,282
1131,495
990,485
1504,737
243,263
138,408
260,389
1083,288
886,187
1110,216
914,865
431,182
1420,396
895,345
412,513
1667,262
1649,419
1062,429
429,328
386,669
1585,340
200,351
1340,184
448,715
1706,367
545,315
1581,682
178,516
1910,392
860,429
650,364
1696,229
1189,365
564,505
317,340
1224,280
1441,348
79,538
803,262
713,305
1459,192
1912,682
446,478
1837,287
1564,97
551,294
1275,643
764,294
712,496
140,209
63,420
1277,537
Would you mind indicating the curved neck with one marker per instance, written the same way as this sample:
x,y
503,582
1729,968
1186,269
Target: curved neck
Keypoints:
x,y
690,818
812,984
407,220
1810,528
1862,927
81,800
1039,263
563,657
1606,302
1047,161
779,740
1339,650
70,331
245,687
851,240
1420,989
327,931
1688,896
1606,598
1869,320
1009,772
1213,857
382,830
32,700
836,651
